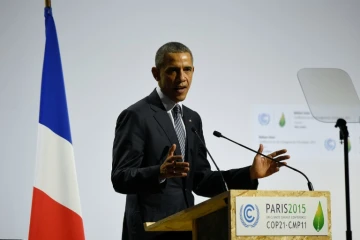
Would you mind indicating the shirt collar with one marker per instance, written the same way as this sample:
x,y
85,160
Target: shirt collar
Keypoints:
x,y
167,102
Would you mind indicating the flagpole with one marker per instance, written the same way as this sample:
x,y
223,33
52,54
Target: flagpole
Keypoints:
x,y
48,3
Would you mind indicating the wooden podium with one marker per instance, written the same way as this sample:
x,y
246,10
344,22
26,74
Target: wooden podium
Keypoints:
x,y
216,217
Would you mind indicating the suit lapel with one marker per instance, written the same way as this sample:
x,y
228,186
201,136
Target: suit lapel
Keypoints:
x,y
189,134
189,145
165,123
163,120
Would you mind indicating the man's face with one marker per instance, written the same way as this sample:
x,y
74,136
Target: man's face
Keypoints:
x,y
175,76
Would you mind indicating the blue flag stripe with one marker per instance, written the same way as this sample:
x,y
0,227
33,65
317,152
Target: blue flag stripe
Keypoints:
x,y
53,106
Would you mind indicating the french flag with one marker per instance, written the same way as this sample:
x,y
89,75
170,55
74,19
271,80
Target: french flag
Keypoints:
x,y
56,210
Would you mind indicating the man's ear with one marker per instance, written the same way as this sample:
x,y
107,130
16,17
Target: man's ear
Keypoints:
x,y
155,73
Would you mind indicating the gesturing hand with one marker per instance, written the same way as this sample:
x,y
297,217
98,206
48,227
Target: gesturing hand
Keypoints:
x,y
263,167
173,165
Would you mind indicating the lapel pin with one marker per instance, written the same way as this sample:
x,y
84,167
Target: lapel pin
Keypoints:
x,y
189,120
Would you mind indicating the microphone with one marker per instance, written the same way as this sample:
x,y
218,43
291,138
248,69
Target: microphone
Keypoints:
x,y
310,186
222,177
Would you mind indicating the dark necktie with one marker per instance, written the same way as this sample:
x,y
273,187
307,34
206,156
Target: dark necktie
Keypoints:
x,y
179,129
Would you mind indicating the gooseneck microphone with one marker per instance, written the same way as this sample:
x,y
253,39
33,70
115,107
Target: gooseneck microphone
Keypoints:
x,y
222,177
310,186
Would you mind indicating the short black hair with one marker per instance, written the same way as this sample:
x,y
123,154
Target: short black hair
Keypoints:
x,y
170,47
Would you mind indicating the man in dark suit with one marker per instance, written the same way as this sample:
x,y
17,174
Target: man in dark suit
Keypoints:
x,y
158,161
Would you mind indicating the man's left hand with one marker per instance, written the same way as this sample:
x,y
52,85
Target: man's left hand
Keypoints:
x,y
264,167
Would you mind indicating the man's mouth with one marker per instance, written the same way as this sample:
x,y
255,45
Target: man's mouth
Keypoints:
x,y
180,89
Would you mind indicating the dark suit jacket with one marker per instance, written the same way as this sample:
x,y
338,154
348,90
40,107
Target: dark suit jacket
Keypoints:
x,y
144,133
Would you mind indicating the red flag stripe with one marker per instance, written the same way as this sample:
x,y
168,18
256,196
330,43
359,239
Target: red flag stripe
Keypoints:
x,y
51,220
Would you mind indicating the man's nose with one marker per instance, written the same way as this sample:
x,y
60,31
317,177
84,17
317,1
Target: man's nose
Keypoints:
x,y
182,75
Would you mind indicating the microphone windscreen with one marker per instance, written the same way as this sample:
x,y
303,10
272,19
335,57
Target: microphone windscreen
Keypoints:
x,y
217,134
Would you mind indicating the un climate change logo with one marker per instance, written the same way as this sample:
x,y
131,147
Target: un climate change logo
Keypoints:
x,y
264,118
249,215
330,144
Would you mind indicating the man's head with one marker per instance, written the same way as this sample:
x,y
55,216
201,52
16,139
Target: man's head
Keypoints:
x,y
173,70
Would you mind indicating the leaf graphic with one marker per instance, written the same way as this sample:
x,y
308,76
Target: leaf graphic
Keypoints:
x,y
318,222
349,145
282,120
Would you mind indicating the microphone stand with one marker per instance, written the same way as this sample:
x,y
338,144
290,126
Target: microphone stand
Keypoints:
x,y
344,135
310,186
203,143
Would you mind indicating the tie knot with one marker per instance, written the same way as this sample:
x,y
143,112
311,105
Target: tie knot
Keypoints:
x,y
177,109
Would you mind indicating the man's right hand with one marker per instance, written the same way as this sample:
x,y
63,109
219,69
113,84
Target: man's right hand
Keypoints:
x,y
173,165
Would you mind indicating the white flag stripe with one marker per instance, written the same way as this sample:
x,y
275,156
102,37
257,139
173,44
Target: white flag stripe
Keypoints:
x,y
55,169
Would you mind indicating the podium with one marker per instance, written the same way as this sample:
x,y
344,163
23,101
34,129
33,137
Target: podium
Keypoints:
x,y
254,215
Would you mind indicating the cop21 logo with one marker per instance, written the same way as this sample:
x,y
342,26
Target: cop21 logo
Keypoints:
x,y
249,215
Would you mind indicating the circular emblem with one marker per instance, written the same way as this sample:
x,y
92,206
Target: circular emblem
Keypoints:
x,y
330,144
264,118
249,215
